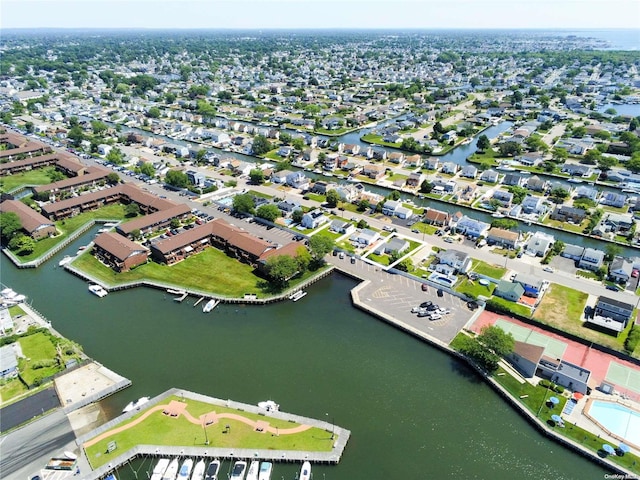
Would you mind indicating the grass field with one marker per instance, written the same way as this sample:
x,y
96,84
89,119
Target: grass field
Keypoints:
x,y
483,268
37,348
38,176
474,289
160,429
561,306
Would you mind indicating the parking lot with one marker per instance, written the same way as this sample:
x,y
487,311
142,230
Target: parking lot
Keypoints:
x,y
397,295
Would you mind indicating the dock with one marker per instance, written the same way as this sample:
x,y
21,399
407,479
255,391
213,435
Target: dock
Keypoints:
x,y
198,301
182,297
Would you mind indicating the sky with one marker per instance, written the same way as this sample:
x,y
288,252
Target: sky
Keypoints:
x,y
346,14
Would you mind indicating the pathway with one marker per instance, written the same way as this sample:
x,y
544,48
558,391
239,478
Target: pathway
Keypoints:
x,y
175,409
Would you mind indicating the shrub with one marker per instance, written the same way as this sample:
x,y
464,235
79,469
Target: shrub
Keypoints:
x,y
633,339
559,389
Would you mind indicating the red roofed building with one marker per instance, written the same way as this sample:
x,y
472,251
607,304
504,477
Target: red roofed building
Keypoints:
x,y
119,252
35,224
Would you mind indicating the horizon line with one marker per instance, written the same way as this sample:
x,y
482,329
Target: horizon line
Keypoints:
x,y
327,28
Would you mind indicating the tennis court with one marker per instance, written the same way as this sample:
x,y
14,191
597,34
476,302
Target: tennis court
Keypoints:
x,y
552,348
623,376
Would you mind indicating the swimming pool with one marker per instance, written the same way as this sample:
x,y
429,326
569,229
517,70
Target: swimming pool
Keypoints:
x,y
618,419
226,201
441,279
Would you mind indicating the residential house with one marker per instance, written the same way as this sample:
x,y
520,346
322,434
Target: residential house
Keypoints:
x,y
618,222
8,362
530,159
502,237
457,260
503,197
509,290
539,244
364,237
620,270
513,180
469,193
536,184
281,176
432,163
287,207
379,154
351,149
450,168
449,136
532,285
340,226
374,172
395,244
436,217
298,180
413,161
613,199
584,191
313,219
469,171
532,205
471,227
397,158
195,178
574,252
104,149
564,213
36,225
611,314
592,259
490,176
415,179
576,170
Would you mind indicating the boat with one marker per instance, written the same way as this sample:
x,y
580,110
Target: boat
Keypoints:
x,y
185,469
269,406
254,470
198,471
70,455
212,470
98,290
265,471
305,471
160,468
65,260
135,405
297,295
466,141
10,297
175,292
239,468
497,215
574,180
210,305
172,470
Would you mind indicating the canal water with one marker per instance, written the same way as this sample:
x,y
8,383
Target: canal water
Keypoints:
x,y
414,412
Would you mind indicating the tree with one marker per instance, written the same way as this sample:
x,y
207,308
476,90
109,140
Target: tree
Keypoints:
x,y
261,145
483,143
633,163
438,128
394,195
10,224
496,340
154,112
268,211
115,155
504,223
244,203
333,198
560,155
363,205
558,194
612,251
131,210
76,135
606,163
319,246
281,268
22,244
256,176
113,178
509,149
98,127
362,224
147,169
177,179
296,215
426,187
518,193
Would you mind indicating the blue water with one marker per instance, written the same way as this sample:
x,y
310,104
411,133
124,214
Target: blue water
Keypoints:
x,y
618,419
632,109
617,38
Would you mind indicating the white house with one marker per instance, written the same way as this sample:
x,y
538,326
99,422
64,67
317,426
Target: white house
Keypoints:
x,y
539,244
313,219
471,227
364,237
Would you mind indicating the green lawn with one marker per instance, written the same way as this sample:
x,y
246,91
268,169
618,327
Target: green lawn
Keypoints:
x,y
570,227
329,234
483,268
316,198
396,176
474,289
424,228
259,194
587,274
70,225
39,176
515,308
37,348
561,306
160,429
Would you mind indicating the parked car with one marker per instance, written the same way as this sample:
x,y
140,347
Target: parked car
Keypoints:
x,y
472,305
440,292
425,287
435,316
548,269
353,259
426,304
448,240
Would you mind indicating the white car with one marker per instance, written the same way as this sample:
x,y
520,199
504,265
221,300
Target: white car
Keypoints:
x,y
548,269
435,316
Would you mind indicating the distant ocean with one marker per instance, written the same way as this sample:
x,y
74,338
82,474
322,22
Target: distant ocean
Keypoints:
x,y
617,39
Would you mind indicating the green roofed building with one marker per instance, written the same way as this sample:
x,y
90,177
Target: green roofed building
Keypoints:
x,y
509,290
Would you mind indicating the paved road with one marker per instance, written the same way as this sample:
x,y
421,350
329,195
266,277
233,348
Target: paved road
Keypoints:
x,y
26,450
28,408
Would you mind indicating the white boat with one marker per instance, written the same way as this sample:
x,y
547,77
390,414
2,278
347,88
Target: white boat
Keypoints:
x,y
466,141
198,471
497,215
160,468
297,295
70,455
210,305
269,406
98,290
10,297
172,470
212,470
65,260
239,468
265,471
305,471
254,469
135,405
185,469
574,180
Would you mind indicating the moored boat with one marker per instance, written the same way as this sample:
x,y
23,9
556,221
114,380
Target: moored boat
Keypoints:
x,y
305,471
239,469
210,305
98,290
65,260
254,470
269,406
212,470
265,471
198,471
185,469
135,405
297,295
160,468
172,470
